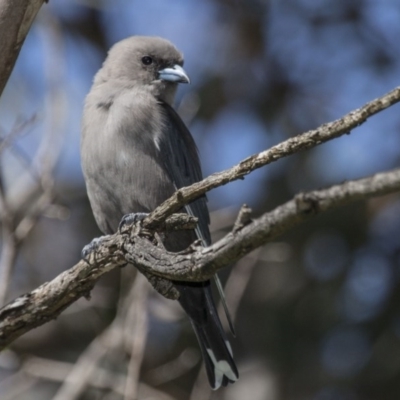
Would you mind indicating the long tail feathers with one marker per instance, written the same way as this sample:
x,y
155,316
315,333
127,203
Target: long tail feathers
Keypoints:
x,y
216,277
223,302
196,299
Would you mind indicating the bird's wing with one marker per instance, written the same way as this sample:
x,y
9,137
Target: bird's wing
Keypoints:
x,y
180,157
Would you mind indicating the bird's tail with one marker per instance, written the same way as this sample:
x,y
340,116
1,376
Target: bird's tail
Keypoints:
x,y
196,299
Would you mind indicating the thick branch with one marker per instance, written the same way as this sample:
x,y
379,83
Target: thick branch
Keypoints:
x,y
16,17
205,262
50,299
293,145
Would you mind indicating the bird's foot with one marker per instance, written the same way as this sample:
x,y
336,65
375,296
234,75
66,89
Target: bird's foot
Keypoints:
x,y
130,219
93,245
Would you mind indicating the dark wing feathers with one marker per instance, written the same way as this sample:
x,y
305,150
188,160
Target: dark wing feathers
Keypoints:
x,y
180,157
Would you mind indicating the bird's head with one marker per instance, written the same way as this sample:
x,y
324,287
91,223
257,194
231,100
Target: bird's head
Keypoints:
x,y
151,62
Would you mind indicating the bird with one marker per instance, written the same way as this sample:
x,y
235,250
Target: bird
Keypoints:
x,y
136,152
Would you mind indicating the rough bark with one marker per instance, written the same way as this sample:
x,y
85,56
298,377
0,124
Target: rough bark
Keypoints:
x,y
195,264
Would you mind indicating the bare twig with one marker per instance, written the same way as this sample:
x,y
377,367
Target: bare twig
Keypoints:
x,y
49,300
130,325
14,231
136,334
16,385
7,260
238,281
57,371
175,368
293,145
83,370
205,262
53,137
9,245
20,127
81,374
35,368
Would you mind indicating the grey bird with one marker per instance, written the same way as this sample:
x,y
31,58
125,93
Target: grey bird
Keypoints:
x,y
136,151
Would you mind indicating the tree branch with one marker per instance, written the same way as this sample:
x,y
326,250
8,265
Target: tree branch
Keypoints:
x,y
16,17
293,145
202,263
196,263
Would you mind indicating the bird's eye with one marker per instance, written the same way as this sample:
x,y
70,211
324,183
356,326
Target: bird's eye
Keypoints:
x,y
147,60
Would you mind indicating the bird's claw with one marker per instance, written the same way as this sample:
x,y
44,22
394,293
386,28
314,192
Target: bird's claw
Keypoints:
x,y
92,246
130,219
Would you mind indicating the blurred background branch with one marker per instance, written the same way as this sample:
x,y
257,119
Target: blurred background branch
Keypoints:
x,y
32,194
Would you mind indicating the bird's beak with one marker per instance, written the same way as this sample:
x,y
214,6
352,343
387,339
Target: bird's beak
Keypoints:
x,y
174,74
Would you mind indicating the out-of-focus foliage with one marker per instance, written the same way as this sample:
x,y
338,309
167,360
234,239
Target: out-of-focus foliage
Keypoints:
x,y
320,318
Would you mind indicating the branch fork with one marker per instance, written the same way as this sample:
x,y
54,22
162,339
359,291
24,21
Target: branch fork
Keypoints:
x,y
198,263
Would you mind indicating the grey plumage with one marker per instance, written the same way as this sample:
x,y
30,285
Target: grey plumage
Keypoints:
x,y
135,152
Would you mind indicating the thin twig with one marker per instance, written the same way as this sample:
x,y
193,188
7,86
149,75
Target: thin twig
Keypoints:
x,y
56,108
35,368
197,264
136,325
175,368
7,260
83,370
205,262
293,145
47,301
15,386
129,324
9,245
14,231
